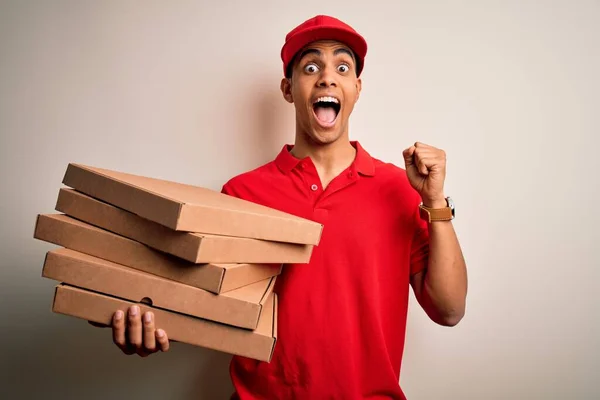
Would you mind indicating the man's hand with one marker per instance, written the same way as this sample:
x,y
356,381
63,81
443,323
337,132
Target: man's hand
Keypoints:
x,y
426,171
136,334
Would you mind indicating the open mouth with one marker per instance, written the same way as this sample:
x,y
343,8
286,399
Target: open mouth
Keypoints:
x,y
326,110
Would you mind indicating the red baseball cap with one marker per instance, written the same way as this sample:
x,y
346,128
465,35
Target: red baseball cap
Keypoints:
x,y
323,27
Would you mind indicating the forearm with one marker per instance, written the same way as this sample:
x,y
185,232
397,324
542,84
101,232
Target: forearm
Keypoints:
x,y
444,287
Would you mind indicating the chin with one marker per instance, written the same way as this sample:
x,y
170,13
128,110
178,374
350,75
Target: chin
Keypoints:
x,y
327,134
325,137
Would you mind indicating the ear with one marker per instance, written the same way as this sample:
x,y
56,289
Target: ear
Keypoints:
x,y
286,90
358,88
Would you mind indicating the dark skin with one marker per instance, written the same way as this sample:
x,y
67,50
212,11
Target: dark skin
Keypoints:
x,y
136,333
325,68
440,288
328,69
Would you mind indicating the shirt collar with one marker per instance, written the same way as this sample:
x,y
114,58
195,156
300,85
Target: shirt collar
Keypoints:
x,y
363,162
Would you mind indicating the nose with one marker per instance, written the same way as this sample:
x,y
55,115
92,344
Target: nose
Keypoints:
x,y
327,78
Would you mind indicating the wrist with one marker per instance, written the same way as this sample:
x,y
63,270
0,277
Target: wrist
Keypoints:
x,y
435,202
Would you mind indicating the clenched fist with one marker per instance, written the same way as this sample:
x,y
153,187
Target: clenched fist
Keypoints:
x,y
426,171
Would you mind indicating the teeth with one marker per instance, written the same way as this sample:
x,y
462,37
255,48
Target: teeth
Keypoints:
x,y
327,99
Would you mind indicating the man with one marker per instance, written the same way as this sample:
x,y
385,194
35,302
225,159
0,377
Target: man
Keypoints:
x,y
342,317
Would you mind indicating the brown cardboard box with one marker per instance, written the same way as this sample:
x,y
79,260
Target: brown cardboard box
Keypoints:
x,y
217,278
190,208
194,247
240,307
257,344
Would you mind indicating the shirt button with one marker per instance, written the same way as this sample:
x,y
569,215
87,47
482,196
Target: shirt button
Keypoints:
x,y
314,187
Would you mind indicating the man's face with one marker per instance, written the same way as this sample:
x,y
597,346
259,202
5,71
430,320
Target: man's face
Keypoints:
x,y
323,88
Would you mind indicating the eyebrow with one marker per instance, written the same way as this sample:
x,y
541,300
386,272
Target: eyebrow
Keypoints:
x,y
344,50
341,50
309,51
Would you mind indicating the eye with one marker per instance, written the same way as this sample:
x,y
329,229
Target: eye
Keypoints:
x,y
343,68
311,68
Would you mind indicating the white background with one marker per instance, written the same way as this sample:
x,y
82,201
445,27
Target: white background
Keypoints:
x,y
189,91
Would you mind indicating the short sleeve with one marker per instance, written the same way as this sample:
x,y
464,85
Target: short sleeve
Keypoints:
x,y
228,189
419,252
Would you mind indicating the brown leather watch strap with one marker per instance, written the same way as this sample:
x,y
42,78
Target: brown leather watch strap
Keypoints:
x,y
436,214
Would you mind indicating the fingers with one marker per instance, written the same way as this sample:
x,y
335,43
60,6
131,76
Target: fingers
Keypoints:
x,y
424,157
426,151
134,328
118,329
422,166
408,156
162,339
149,332
119,339
137,334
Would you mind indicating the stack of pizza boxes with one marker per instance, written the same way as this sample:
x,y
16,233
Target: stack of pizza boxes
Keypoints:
x,y
204,262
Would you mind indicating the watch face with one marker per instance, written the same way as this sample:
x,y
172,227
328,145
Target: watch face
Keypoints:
x,y
451,205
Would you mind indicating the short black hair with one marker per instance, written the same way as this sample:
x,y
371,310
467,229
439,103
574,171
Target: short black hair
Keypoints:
x,y
299,55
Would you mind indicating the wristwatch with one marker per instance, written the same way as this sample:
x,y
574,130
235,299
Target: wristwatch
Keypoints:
x,y
438,214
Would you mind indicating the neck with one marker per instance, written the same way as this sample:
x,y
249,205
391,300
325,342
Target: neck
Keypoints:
x,y
329,159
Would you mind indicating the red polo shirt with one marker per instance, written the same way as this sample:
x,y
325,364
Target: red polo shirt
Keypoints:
x,y
342,317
